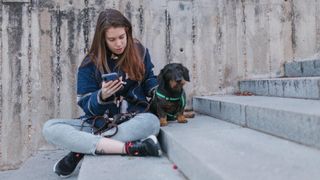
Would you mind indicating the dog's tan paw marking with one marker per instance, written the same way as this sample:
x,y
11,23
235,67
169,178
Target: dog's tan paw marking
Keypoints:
x,y
189,114
182,119
163,122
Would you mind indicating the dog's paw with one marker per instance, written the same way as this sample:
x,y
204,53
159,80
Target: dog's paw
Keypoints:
x,y
189,114
182,119
163,122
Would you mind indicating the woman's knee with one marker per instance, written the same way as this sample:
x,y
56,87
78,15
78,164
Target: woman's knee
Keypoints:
x,y
48,128
152,122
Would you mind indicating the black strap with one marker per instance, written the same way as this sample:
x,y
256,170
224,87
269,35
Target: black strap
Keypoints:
x,y
108,123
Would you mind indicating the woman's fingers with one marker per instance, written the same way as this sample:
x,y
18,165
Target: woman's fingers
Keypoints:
x,y
115,87
107,84
111,87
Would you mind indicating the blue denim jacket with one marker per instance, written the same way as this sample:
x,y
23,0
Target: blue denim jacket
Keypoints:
x,y
89,88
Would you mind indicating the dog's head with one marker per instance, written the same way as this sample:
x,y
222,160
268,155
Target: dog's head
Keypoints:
x,y
173,76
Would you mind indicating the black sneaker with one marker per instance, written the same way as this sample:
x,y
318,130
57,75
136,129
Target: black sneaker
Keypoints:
x,y
145,147
67,165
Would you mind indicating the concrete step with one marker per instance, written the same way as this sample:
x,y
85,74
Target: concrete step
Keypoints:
x,y
208,148
306,87
126,167
38,167
293,119
302,68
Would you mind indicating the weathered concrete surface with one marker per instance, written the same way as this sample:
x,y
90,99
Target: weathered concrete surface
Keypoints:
x,y
38,167
221,42
207,148
126,167
305,87
293,119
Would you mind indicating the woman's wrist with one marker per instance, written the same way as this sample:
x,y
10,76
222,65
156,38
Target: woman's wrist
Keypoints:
x,y
104,100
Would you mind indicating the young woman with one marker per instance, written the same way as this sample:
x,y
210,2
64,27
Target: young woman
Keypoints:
x,y
113,50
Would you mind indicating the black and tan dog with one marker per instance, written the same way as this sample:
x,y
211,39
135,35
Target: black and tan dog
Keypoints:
x,y
169,100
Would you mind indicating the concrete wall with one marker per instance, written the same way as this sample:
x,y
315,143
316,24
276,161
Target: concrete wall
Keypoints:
x,y
220,41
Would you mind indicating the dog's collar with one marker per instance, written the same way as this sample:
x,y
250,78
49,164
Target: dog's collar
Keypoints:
x,y
182,98
166,97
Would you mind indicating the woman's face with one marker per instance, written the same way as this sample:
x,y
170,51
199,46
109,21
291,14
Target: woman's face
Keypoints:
x,y
116,39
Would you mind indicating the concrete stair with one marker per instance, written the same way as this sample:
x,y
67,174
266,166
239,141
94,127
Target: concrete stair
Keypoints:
x,y
302,68
298,87
38,166
126,167
301,80
293,119
275,135
207,148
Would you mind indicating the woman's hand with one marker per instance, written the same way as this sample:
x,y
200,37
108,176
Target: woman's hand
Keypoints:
x,y
110,87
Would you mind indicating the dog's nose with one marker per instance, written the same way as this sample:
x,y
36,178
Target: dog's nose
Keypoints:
x,y
179,81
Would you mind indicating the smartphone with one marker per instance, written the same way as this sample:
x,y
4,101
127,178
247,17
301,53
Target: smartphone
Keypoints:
x,y
110,77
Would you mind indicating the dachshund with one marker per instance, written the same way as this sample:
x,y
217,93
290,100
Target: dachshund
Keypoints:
x,y
169,99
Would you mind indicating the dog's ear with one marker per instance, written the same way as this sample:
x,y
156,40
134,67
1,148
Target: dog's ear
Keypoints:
x,y
161,77
185,74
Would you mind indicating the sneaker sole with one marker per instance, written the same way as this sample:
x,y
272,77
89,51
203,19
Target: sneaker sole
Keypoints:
x,y
69,175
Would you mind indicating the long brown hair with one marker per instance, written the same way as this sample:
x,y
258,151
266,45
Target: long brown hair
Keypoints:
x,y
130,61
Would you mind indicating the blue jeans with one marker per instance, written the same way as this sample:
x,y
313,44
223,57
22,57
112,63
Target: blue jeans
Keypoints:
x,y
66,133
